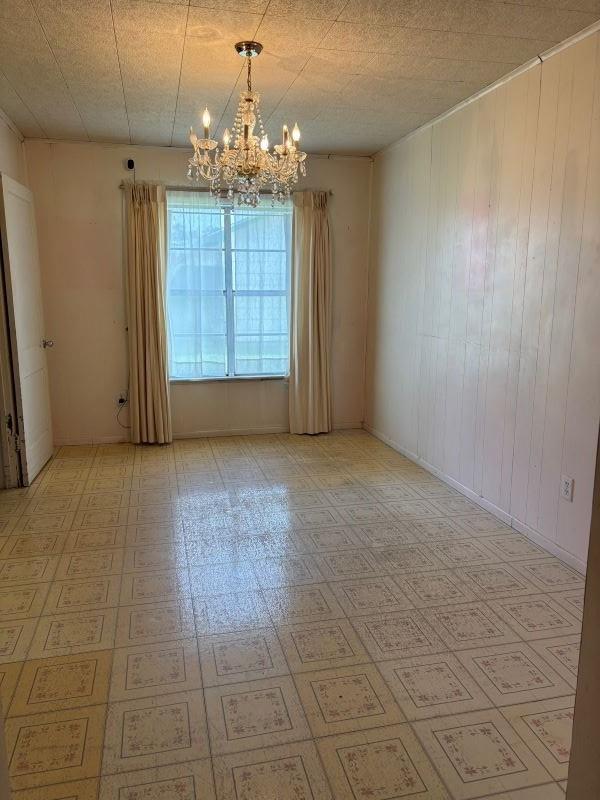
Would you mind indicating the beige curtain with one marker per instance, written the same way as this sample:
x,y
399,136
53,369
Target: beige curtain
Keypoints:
x,y
149,404
310,381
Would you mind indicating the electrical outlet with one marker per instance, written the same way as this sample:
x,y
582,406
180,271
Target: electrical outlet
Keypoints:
x,y
566,488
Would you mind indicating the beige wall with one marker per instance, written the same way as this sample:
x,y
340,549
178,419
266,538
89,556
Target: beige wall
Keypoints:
x,y
484,296
12,155
79,213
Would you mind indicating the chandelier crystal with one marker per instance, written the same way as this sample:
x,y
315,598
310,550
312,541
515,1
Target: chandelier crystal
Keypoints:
x,y
245,165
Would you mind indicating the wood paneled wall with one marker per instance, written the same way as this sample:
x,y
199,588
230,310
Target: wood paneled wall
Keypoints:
x,y
484,296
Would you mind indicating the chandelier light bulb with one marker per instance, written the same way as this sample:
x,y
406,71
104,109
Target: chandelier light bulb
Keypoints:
x,y
226,137
296,133
264,143
206,122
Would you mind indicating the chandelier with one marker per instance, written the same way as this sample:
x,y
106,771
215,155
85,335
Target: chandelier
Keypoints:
x,y
245,165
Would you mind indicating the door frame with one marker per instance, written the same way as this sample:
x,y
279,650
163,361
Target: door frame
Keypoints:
x,y
10,427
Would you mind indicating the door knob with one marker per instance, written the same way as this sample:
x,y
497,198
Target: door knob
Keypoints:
x,y
47,343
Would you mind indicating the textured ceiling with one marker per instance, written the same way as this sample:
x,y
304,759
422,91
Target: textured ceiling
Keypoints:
x,y
356,74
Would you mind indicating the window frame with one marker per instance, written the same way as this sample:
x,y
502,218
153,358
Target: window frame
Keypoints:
x,y
230,293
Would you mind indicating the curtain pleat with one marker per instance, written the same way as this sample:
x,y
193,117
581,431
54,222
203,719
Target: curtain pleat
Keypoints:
x,y
149,402
310,380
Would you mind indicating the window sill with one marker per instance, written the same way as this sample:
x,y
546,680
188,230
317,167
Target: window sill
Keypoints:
x,y
231,379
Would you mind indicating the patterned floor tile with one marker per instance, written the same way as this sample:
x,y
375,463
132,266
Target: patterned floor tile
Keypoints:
x,y
382,763
155,669
494,581
101,539
57,684
9,675
67,634
317,645
403,634
20,602
514,672
154,587
227,613
56,747
189,781
264,713
223,579
562,653
15,639
463,552
336,538
75,790
381,534
153,732
551,575
479,753
545,726
155,622
273,573
469,625
240,657
83,594
287,772
536,617
36,569
302,604
348,564
369,595
571,600
432,686
346,699
435,588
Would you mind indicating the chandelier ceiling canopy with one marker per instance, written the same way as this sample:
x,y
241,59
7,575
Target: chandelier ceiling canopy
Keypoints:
x,y
245,164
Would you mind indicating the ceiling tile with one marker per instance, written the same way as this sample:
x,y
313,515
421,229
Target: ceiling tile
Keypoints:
x,y
356,74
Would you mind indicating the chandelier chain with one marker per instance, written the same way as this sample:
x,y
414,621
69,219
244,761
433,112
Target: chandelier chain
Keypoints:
x,y
249,80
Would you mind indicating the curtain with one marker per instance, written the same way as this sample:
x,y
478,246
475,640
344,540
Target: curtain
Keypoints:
x,y
149,403
310,381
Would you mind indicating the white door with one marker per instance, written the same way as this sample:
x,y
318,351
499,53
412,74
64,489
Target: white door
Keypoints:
x,y
26,326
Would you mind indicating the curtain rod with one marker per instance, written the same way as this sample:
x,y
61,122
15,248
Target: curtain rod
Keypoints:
x,y
124,184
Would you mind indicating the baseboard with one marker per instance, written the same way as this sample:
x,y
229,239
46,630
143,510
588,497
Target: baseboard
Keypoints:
x,y
62,441
514,522
203,434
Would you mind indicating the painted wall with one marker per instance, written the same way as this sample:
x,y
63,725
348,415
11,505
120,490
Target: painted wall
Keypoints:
x,y
484,296
80,222
12,154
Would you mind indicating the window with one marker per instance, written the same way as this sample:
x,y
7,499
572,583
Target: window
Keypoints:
x,y
227,288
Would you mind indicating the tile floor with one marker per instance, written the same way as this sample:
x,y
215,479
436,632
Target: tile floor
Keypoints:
x,y
277,618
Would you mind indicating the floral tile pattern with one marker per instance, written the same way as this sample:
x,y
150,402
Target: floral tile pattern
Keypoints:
x,y
288,772
432,686
509,673
64,745
153,670
53,684
546,727
380,764
311,618
350,698
153,732
479,752
238,657
177,782
262,713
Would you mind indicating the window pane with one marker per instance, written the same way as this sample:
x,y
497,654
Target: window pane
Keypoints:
x,y
261,335
260,271
195,288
